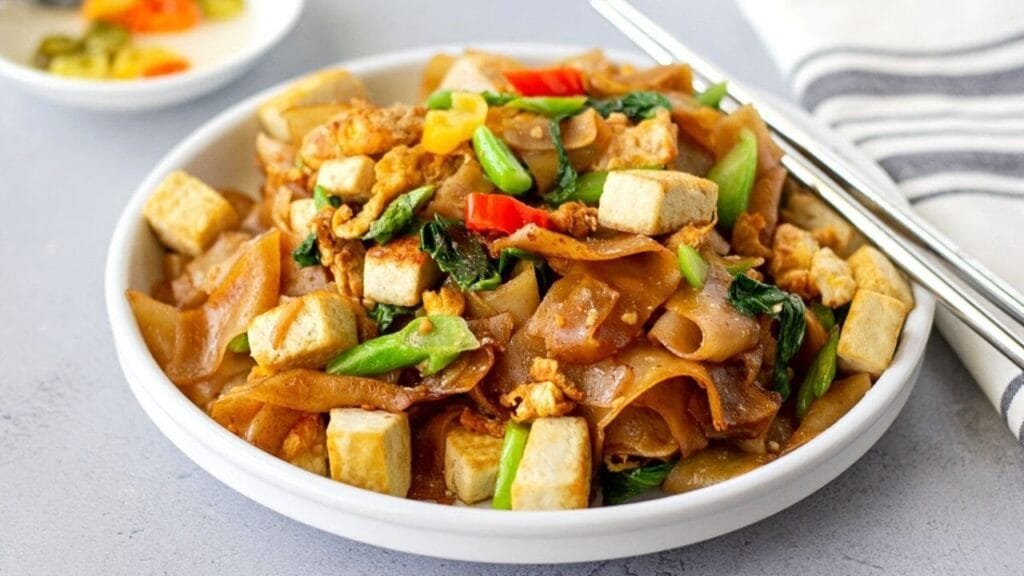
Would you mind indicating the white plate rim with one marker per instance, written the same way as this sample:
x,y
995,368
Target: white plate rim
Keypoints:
x,y
661,512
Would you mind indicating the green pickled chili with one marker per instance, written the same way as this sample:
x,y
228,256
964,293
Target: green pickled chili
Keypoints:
x,y
551,106
433,342
820,375
399,214
512,450
735,174
692,266
713,95
499,164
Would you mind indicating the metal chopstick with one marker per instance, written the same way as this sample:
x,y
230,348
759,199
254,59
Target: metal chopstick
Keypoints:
x,y
816,166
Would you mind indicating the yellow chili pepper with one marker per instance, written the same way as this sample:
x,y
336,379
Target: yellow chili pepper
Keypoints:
x,y
138,61
444,130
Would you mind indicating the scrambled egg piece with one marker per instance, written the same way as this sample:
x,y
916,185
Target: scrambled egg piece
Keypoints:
x,y
549,394
833,278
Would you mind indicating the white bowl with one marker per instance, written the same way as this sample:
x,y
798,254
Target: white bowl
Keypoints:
x,y
221,153
218,52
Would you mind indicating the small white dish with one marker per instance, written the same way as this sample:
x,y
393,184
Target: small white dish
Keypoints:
x,y
218,52
220,152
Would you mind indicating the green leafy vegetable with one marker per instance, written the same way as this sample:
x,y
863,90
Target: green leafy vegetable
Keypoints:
x,y
617,487
751,298
693,267
459,252
322,198
566,179
636,105
398,215
512,450
588,190
820,375
735,174
713,95
551,106
499,164
239,344
307,253
433,342
386,314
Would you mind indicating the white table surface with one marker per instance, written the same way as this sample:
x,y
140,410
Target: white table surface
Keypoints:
x,y
89,486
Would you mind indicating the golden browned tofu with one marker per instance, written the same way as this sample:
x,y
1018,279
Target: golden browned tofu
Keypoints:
x,y
869,336
655,202
471,464
187,215
323,87
398,272
873,271
370,449
300,216
555,471
304,332
349,178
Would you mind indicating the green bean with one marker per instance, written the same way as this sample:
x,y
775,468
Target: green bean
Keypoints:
x,y
432,341
551,106
499,164
442,99
398,215
693,267
820,375
734,174
512,450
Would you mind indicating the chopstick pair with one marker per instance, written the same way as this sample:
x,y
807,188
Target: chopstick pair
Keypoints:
x,y
957,280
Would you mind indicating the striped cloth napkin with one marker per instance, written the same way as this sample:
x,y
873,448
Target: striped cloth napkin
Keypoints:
x,y
933,92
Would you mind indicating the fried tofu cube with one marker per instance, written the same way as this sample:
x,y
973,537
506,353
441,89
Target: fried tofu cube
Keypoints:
x,y
300,216
655,202
555,471
398,272
869,336
832,276
316,327
323,87
350,178
187,215
370,449
471,464
873,271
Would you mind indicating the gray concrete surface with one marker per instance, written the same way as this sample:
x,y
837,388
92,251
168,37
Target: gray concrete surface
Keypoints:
x,y
89,486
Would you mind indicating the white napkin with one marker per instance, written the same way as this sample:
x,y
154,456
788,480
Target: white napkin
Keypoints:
x,y
933,92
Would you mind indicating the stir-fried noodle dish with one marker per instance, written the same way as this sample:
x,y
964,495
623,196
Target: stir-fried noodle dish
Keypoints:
x,y
543,288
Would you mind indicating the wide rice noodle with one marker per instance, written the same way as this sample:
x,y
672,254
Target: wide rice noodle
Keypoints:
x,y
702,324
250,288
